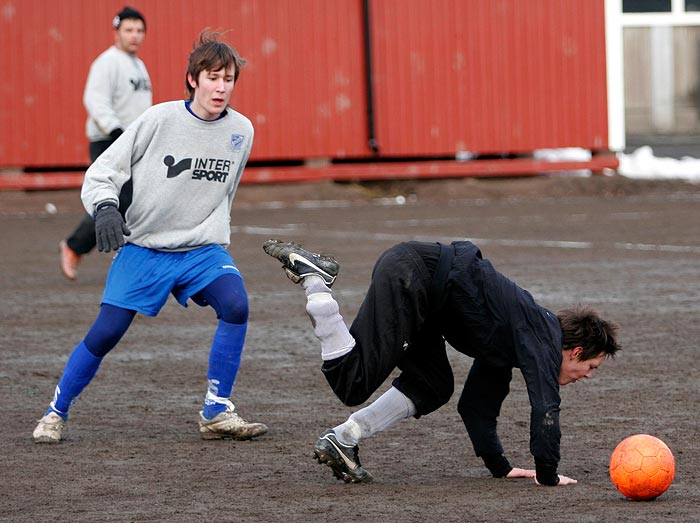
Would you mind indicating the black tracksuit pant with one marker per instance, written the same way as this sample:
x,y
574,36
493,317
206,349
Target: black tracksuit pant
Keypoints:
x,y
395,328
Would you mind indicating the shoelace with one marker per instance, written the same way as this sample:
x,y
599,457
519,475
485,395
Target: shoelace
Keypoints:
x,y
230,407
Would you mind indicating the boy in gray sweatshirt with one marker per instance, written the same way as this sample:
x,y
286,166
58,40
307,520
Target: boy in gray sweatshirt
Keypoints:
x,y
185,160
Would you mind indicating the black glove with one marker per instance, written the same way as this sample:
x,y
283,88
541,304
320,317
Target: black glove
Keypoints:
x,y
116,133
110,228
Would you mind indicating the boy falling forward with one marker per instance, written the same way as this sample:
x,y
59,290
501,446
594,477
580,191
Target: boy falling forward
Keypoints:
x,y
421,296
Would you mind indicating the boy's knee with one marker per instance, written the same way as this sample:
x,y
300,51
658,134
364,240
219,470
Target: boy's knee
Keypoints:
x,y
353,398
466,407
350,390
234,311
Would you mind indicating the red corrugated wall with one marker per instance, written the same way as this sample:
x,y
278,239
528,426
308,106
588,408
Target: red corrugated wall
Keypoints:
x,y
497,76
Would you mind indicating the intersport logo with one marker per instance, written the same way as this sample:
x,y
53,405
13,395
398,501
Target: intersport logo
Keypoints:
x,y
209,169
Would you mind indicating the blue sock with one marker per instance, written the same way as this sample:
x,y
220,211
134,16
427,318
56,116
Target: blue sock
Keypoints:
x,y
79,371
224,361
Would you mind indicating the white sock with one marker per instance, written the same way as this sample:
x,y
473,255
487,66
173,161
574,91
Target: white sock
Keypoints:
x,y
387,410
328,324
313,284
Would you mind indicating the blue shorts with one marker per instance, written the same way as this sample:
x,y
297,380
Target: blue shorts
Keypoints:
x,y
141,279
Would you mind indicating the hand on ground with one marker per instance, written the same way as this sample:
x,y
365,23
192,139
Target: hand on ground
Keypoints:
x,y
521,473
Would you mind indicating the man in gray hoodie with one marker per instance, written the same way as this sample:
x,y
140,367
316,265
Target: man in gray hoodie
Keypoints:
x,y
117,91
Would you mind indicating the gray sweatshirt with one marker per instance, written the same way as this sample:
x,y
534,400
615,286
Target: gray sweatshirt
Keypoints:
x,y
117,91
185,172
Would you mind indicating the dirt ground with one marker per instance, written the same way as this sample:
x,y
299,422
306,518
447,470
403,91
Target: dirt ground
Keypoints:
x,y
629,248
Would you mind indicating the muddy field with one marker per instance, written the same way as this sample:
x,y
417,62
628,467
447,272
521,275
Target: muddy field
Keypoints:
x,y
629,248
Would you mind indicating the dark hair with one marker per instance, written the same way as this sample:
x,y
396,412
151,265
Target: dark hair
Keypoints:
x,y
582,327
210,54
128,14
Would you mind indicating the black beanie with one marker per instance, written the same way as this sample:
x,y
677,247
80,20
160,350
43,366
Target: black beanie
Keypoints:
x,y
125,14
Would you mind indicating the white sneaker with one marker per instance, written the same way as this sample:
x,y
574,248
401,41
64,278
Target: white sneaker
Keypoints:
x,y
229,425
49,429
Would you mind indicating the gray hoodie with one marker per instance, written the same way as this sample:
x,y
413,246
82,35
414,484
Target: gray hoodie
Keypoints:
x,y
117,91
185,173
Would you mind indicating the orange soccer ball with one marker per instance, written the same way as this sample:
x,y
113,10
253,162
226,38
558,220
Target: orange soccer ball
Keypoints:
x,y
642,467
